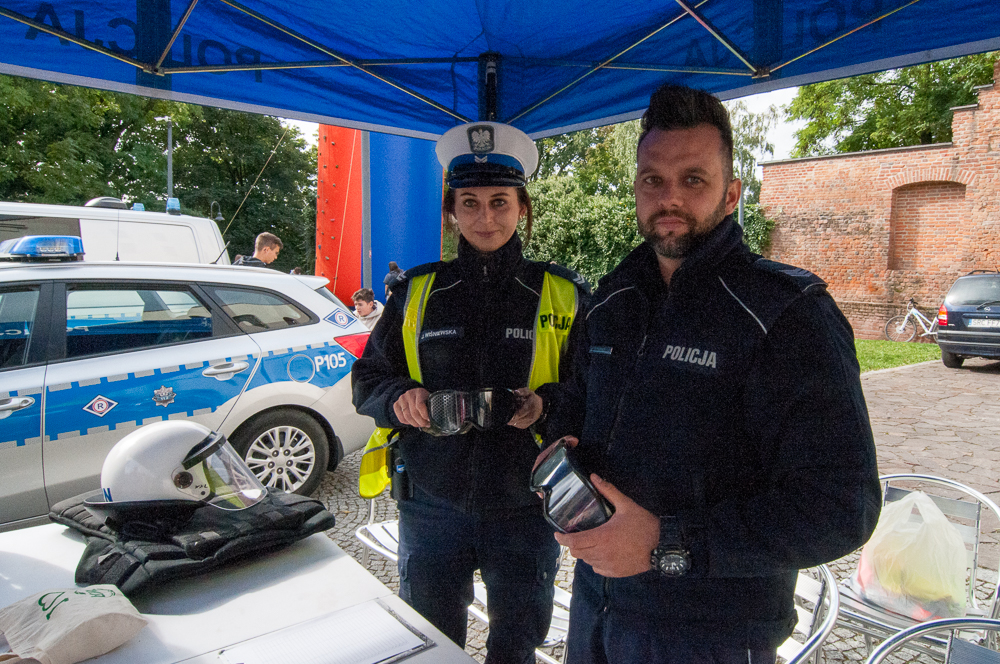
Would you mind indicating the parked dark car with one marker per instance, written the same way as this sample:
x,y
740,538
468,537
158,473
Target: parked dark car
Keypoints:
x,y
969,319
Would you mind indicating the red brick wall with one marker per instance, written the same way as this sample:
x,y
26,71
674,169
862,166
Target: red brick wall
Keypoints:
x,y
886,225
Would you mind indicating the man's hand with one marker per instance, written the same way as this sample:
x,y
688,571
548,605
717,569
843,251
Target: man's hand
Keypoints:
x,y
411,408
622,546
530,410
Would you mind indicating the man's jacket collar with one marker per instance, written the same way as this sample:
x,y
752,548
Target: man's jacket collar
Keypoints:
x,y
641,268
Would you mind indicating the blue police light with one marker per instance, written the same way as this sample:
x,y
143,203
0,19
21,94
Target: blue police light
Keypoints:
x,y
138,207
173,206
42,248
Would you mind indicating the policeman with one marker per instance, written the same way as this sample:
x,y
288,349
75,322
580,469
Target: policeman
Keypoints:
x,y
490,319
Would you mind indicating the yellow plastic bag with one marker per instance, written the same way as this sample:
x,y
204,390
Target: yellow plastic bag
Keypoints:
x,y
915,562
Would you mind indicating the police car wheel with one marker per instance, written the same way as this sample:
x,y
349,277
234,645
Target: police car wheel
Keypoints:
x,y
285,449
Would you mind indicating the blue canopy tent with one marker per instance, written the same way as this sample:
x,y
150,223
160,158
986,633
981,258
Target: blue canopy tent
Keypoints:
x,y
417,68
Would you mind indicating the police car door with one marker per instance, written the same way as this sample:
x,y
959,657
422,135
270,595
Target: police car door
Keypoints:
x,y
135,353
22,372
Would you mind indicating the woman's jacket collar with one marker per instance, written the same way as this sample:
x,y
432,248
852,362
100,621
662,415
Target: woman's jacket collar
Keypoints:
x,y
493,267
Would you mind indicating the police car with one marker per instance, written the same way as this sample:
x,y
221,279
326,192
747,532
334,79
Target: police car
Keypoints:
x,y
92,351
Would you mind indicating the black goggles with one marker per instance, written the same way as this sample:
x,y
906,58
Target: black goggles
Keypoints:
x,y
570,501
453,412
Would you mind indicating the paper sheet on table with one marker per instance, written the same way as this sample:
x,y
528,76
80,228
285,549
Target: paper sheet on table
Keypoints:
x,y
365,634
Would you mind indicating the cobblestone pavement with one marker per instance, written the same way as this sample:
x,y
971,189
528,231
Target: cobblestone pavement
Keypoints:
x,y
926,418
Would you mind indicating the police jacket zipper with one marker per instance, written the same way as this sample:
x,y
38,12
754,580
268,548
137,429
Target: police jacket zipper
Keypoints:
x,y
482,327
624,392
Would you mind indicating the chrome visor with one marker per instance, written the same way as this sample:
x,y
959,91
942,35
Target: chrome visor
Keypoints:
x,y
570,501
453,412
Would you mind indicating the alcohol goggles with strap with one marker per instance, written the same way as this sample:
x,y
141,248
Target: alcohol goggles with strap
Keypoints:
x,y
454,412
569,499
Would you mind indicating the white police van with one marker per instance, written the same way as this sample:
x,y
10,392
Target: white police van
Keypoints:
x,y
110,231
92,351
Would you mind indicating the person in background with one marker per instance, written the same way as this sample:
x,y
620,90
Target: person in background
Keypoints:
x,y
366,307
718,406
295,270
488,320
267,246
391,277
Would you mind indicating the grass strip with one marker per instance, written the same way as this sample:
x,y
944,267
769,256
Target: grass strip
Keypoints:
x,y
879,354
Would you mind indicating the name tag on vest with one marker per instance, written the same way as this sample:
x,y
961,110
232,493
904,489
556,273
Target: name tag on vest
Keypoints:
x,y
446,333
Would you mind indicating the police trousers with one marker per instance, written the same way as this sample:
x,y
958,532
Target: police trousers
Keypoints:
x,y
441,547
601,632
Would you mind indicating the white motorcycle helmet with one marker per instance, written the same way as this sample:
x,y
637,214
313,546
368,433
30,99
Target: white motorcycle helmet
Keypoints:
x,y
171,468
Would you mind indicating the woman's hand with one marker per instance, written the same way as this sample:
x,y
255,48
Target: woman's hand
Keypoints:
x,y
411,408
530,410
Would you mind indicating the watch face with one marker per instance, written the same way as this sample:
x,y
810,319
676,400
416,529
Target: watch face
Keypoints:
x,y
673,563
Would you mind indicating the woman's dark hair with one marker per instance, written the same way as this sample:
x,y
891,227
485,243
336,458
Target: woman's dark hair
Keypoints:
x,y
448,210
679,107
393,266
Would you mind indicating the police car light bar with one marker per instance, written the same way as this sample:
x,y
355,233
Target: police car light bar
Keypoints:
x,y
42,248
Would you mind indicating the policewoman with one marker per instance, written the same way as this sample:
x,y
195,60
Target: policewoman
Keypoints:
x,y
488,320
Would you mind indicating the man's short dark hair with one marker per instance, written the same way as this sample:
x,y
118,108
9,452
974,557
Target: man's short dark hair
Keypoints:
x,y
267,241
363,294
679,107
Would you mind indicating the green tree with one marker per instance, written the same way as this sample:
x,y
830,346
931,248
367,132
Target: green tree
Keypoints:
x,y
589,233
218,158
896,108
750,144
65,145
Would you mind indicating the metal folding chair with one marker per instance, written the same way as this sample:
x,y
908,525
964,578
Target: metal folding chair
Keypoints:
x,y
965,512
382,537
958,650
817,603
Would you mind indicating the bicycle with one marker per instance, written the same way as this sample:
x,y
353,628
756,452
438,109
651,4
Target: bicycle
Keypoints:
x,y
904,326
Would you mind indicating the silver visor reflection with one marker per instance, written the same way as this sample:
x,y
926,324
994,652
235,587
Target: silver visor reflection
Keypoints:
x,y
214,473
570,501
453,412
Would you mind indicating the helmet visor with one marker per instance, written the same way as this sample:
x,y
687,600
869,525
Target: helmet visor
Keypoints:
x,y
215,474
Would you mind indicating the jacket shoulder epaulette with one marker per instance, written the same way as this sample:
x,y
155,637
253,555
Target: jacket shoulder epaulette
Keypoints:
x,y
802,279
569,275
416,271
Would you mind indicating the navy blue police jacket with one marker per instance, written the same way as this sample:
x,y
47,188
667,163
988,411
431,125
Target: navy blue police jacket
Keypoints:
x,y
477,332
731,400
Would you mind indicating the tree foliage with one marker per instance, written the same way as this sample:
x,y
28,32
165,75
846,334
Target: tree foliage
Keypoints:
x,y
64,145
896,108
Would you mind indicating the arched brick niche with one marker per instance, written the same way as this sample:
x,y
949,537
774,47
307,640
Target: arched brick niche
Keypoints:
x,y
927,226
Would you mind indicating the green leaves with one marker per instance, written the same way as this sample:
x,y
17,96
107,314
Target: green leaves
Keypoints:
x,y
897,108
65,145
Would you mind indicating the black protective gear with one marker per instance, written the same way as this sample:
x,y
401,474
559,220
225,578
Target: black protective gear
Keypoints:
x,y
142,554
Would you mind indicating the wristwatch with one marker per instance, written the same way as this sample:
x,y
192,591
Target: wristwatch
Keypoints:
x,y
670,557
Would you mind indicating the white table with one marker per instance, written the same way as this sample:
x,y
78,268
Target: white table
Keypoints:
x,y
192,619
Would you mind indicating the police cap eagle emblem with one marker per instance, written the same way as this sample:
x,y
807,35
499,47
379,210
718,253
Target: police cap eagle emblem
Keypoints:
x,y
481,139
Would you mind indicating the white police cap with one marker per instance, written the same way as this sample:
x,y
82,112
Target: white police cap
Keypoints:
x,y
487,154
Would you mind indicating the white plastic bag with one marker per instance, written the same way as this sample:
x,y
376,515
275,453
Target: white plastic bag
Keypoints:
x,y
915,562
68,625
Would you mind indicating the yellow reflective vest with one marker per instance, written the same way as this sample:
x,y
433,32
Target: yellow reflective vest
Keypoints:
x,y
557,309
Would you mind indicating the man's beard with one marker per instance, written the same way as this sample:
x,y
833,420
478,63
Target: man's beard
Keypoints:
x,y
679,245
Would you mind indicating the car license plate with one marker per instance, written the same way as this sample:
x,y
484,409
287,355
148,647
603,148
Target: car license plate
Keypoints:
x,y
983,322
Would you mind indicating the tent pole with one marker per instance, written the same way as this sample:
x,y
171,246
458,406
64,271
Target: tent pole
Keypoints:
x,y
489,86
